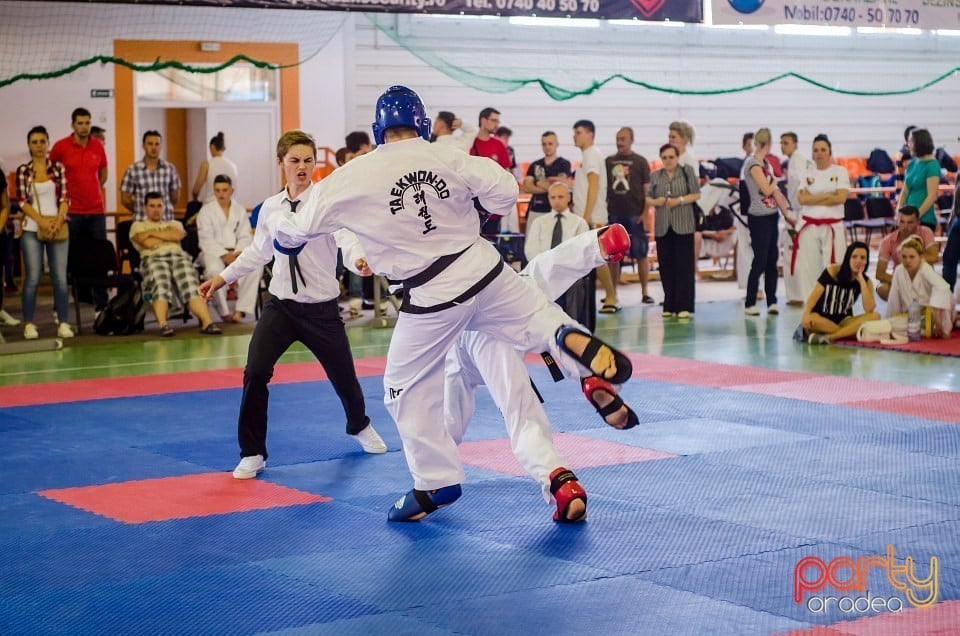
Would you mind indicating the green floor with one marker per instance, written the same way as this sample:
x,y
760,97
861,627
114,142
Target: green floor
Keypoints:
x,y
718,333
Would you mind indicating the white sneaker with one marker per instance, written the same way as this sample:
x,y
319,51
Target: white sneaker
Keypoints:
x,y
818,339
684,314
249,467
752,311
7,320
773,310
30,331
64,330
370,441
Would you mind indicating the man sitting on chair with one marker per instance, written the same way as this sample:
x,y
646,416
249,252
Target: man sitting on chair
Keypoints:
x,y
166,268
908,224
719,236
223,229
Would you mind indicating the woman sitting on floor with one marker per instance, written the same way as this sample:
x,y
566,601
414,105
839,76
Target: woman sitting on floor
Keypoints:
x,y
913,279
828,312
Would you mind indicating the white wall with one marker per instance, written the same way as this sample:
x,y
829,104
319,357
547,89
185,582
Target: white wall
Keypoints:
x,y
323,89
49,103
82,31
340,84
689,57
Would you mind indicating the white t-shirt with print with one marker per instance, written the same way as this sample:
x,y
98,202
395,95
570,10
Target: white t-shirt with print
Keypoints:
x,y
592,161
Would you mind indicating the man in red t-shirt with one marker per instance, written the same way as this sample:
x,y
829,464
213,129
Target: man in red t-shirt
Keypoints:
x,y
85,163
486,144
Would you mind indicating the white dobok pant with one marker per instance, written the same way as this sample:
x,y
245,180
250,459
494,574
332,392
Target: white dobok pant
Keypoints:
x,y
506,309
814,250
246,287
791,284
478,359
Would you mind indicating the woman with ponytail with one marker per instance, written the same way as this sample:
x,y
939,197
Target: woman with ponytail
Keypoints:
x,y
217,164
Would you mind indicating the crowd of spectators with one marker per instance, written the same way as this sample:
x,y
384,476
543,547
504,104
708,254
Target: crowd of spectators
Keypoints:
x,y
789,220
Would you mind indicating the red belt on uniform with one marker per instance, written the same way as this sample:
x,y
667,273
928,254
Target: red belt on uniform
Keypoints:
x,y
807,222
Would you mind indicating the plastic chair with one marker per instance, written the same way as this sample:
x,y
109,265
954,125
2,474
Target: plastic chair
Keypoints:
x,y
93,263
191,245
880,216
852,214
126,252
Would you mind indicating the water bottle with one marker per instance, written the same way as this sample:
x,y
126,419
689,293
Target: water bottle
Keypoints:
x,y
913,321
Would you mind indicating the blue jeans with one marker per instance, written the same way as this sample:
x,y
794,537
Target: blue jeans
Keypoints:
x,y
33,264
91,226
951,253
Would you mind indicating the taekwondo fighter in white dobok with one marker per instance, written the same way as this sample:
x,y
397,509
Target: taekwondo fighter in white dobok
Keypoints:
x,y
477,359
410,203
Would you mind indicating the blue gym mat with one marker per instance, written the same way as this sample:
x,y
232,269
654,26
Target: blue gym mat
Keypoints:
x,y
705,542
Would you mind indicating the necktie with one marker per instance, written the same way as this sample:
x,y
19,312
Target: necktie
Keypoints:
x,y
557,237
294,263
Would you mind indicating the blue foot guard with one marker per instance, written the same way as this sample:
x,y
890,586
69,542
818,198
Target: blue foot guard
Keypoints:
x,y
417,504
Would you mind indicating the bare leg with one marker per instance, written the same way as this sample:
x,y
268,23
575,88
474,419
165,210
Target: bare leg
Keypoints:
x,y
609,287
850,326
643,267
160,308
615,271
199,309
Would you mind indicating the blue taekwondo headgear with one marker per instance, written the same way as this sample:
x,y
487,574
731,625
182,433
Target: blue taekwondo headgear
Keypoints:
x,y
400,106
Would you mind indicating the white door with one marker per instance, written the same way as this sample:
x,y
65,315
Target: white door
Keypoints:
x,y
251,134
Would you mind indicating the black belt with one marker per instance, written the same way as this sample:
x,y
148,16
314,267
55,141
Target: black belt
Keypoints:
x,y
431,272
407,307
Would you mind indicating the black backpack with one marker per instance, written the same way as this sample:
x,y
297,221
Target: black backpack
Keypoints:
x,y
124,313
880,162
945,160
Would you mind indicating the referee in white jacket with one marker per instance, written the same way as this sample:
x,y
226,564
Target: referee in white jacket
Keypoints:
x,y
302,307
410,204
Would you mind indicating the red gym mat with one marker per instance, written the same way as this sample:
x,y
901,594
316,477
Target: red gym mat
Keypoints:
x,y
578,450
934,346
180,497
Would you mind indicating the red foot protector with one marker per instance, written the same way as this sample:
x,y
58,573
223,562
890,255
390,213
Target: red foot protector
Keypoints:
x,y
180,497
566,489
594,384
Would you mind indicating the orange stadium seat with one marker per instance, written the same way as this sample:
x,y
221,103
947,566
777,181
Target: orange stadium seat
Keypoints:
x,y
856,166
326,163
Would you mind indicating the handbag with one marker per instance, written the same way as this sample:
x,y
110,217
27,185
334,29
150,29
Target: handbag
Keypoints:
x,y
881,331
699,218
62,233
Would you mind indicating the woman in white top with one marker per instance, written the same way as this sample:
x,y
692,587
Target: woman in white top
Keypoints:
x,y
821,239
913,279
42,195
210,168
